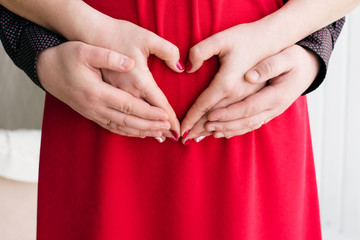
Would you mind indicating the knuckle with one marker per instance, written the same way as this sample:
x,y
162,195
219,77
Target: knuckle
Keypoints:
x,y
127,108
202,108
220,40
278,100
228,90
250,125
141,134
221,128
92,98
149,127
123,123
267,67
228,85
249,111
119,127
80,50
108,56
172,51
196,52
90,108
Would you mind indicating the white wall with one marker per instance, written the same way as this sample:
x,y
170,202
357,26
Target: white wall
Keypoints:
x,y
21,101
335,121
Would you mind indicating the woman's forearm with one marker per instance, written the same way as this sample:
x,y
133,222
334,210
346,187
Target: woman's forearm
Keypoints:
x,y
76,20
299,18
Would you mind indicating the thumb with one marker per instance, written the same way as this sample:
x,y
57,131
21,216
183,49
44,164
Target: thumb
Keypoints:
x,y
105,58
202,52
166,51
269,68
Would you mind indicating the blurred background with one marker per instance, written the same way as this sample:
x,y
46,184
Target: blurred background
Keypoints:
x,y
335,121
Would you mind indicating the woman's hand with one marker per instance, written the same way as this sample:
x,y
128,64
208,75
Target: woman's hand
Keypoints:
x,y
71,72
138,43
239,48
289,73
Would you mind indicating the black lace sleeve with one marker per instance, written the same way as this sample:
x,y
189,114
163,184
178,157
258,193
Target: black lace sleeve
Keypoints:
x,y
322,44
24,40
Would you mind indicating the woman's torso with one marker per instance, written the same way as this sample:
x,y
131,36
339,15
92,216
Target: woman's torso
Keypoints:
x,y
99,185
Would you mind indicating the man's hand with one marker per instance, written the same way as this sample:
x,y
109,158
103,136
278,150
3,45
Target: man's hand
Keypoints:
x,y
72,73
288,73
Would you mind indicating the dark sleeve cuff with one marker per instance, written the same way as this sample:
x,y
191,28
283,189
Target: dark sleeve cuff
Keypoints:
x,y
322,44
23,41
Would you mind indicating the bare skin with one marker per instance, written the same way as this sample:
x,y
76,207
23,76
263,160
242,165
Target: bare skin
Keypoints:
x,y
229,86
288,73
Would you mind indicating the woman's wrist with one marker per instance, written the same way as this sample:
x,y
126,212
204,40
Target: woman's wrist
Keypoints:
x,y
81,22
299,18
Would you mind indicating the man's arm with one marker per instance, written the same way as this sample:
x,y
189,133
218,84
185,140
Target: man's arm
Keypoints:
x,y
24,40
322,43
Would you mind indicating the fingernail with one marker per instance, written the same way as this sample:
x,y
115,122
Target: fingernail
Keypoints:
x,y
189,66
180,65
219,135
174,139
253,75
186,133
198,139
125,62
175,134
159,139
187,142
259,125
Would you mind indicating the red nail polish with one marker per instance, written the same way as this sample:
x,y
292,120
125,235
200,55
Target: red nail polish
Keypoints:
x,y
175,134
180,65
174,139
189,66
186,133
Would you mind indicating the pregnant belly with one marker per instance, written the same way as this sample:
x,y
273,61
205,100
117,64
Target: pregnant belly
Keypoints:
x,y
185,23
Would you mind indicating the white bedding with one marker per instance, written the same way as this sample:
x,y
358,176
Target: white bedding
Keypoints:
x,y
19,154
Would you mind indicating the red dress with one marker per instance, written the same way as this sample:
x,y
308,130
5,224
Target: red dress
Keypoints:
x,y
95,185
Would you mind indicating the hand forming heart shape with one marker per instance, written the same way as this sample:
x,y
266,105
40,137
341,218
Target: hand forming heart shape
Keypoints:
x,y
227,87
238,48
137,107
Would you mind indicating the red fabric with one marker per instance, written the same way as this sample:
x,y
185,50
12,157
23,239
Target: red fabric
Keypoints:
x,y
96,185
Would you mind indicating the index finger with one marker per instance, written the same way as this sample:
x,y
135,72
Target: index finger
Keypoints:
x,y
261,101
153,95
203,104
127,103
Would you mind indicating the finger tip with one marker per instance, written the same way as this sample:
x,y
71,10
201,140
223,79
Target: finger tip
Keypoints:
x,y
185,133
175,134
252,76
180,66
193,69
127,64
189,66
